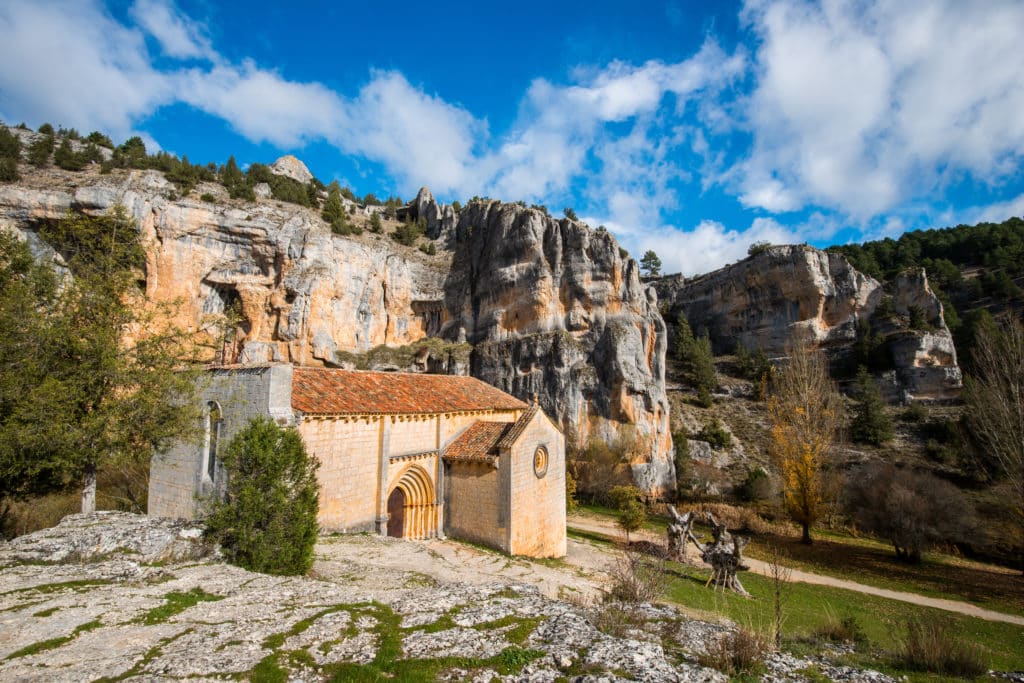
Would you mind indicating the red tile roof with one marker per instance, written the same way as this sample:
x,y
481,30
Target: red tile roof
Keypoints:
x,y
478,442
327,391
519,427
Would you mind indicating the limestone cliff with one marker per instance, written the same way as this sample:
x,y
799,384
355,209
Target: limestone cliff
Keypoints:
x,y
554,309
550,306
762,301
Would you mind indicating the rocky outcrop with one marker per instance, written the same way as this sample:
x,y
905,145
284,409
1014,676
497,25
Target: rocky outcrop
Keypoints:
x,y
553,309
118,618
551,306
764,301
291,167
439,219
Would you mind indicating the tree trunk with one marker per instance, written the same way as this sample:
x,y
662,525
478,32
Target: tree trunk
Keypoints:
x,y
89,489
806,537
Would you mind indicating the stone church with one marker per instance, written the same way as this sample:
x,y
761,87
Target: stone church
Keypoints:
x,y
408,455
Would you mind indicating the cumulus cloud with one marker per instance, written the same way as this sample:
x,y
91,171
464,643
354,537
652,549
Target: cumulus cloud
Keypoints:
x,y
859,106
70,63
707,246
178,35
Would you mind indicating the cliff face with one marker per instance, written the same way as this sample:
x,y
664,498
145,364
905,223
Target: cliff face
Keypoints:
x,y
763,301
550,306
553,309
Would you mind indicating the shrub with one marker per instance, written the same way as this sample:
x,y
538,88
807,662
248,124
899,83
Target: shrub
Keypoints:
x,y
207,197
375,223
98,138
913,510
66,158
429,248
267,520
10,145
408,233
847,630
757,485
758,248
915,412
932,645
570,213
636,577
457,206
715,434
40,150
8,170
46,129
737,652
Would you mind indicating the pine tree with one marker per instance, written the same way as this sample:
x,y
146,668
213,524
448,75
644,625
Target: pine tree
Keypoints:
x,y
651,263
871,424
40,150
334,210
696,361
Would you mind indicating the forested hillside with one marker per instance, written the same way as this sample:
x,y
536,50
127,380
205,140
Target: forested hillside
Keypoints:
x,y
973,269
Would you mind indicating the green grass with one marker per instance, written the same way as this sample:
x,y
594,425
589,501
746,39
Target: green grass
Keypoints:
x,y
177,602
47,588
872,562
52,643
810,607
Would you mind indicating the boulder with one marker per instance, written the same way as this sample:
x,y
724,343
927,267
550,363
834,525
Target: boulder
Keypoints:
x,y
291,167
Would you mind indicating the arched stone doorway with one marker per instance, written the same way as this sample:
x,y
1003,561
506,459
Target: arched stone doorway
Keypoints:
x,y
412,506
396,513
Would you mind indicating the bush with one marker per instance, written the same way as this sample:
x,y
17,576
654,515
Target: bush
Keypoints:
x,y
758,248
408,233
932,645
9,170
636,577
375,223
737,652
267,520
207,197
915,412
40,150
757,486
848,630
10,145
913,510
429,248
570,213
715,434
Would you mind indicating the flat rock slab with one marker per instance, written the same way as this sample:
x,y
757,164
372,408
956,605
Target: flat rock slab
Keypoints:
x,y
124,618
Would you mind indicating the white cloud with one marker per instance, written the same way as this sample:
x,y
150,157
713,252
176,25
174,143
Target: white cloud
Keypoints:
x,y
69,63
995,213
179,36
260,104
706,247
860,106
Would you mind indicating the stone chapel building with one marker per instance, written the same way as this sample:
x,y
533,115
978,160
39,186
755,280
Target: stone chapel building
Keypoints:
x,y
401,454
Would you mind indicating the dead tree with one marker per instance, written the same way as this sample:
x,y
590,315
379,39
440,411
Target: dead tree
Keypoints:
x,y
724,553
680,532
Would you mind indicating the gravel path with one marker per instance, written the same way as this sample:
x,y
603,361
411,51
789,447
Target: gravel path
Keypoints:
x,y
607,527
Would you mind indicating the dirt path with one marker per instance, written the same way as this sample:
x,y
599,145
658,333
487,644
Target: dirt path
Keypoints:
x,y
608,528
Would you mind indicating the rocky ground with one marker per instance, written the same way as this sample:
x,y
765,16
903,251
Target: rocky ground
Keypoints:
x,y
114,596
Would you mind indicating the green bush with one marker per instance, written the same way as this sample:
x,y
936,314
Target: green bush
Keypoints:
x,y
375,223
408,233
429,248
715,434
208,198
8,170
267,519
40,150
10,145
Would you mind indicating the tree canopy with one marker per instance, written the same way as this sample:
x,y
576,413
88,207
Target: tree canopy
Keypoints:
x,y
89,374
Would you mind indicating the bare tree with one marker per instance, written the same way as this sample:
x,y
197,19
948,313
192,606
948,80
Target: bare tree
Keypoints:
x,y
805,409
994,397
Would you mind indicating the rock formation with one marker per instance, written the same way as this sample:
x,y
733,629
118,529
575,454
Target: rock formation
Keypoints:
x,y
550,306
766,299
291,167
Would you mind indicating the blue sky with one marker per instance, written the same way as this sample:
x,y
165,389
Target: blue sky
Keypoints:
x,y
690,128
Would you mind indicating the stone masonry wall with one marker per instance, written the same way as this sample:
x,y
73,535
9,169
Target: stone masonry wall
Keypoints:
x,y
178,483
537,528
349,455
473,504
